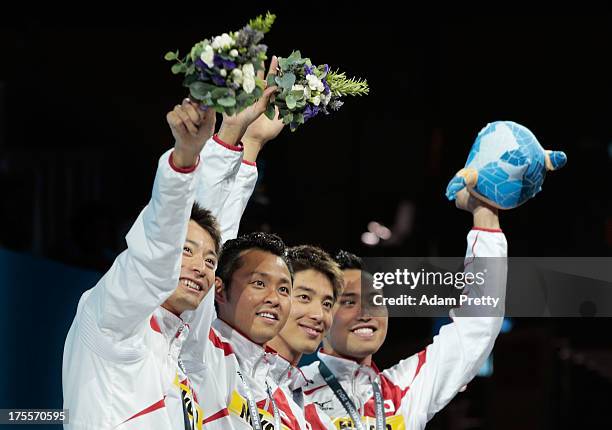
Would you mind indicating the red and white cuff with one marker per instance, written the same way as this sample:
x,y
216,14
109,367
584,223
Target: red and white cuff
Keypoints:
x,y
189,169
489,230
237,148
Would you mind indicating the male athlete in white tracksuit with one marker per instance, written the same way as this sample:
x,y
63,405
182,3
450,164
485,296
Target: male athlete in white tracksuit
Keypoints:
x,y
413,390
121,366
235,372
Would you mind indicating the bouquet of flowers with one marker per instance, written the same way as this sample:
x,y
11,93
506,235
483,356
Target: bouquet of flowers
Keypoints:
x,y
222,72
306,90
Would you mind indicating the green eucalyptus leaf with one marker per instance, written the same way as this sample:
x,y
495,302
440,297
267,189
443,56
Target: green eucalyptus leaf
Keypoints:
x,y
201,89
218,93
189,79
295,56
291,102
287,81
270,111
271,79
177,68
283,63
297,94
227,101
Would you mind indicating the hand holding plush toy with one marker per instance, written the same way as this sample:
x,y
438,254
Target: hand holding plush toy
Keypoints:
x,y
506,166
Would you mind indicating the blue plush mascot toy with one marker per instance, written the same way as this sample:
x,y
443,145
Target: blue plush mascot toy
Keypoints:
x,y
506,166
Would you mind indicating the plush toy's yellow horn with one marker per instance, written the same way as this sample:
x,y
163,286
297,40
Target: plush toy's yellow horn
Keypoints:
x,y
470,175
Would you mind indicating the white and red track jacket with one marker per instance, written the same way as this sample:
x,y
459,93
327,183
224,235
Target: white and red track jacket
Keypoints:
x,y
293,382
224,397
120,366
419,386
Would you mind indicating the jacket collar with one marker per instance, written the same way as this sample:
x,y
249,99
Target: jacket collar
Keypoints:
x,y
344,368
169,324
251,356
283,373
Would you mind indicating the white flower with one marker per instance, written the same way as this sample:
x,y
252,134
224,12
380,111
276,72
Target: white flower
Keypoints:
x,y
316,100
237,75
208,55
234,53
297,87
326,98
248,70
307,92
249,84
312,81
223,42
315,83
223,72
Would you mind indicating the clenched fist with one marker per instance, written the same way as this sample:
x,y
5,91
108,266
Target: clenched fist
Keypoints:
x,y
191,128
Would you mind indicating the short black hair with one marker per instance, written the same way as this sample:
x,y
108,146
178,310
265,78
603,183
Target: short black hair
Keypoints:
x,y
304,257
230,261
205,219
347,260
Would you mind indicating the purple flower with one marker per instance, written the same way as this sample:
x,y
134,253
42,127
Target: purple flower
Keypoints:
x,y
327,90
308,70
310,112
325,71
224,64
200,64
218,80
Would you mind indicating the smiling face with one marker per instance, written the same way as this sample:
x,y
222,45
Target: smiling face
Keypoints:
x,y
258,300
197,270
354,334
311,316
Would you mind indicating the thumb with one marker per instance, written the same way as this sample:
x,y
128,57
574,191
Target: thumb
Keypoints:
x,y
272,68
263,101
208,120
273,65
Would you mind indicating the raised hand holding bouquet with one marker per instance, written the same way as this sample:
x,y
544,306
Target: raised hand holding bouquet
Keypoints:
x,y
305,90
222,72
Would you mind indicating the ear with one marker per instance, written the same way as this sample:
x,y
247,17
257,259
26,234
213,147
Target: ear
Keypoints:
x,y
220,292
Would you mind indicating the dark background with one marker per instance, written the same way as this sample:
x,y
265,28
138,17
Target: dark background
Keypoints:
x,y
82,123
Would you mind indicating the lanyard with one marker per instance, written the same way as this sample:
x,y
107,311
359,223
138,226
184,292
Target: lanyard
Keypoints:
x,y
254,411
188,424
277,424
348,404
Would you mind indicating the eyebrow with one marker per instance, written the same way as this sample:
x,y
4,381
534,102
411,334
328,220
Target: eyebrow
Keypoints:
x,y
312,291
194,243
267,275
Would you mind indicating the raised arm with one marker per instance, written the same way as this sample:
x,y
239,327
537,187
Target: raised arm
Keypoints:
x,y
436,374
257,135
222,155
146,274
